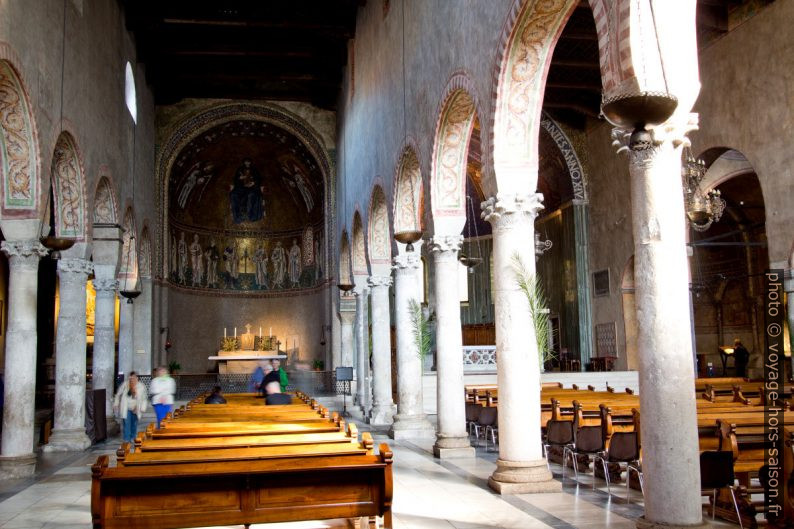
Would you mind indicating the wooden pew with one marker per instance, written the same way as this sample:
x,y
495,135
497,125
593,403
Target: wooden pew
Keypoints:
x,y
219,473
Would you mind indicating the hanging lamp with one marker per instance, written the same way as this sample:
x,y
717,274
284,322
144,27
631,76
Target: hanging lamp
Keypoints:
x,y
127,290
49,239
471,262
407,237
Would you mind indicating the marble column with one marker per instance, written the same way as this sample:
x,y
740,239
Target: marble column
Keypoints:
x,y
104,364
16,456
410,421
581,217
362,349
126,329
383,408
142,334
521,467
670,467
68,433
451,437
347,318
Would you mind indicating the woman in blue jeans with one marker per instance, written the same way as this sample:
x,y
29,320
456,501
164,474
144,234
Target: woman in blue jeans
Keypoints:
x,y
129,403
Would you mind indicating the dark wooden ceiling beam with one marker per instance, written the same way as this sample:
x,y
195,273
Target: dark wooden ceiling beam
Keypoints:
x,y
589,87
576,107
575,63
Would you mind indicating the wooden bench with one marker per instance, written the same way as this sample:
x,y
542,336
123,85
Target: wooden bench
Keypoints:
x,y
218,472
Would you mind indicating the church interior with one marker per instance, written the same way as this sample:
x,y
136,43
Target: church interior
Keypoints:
x,y
514,263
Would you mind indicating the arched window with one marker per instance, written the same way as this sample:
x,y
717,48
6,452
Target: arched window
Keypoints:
x,y
129,93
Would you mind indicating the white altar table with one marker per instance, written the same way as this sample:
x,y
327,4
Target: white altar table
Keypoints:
x,y
243,361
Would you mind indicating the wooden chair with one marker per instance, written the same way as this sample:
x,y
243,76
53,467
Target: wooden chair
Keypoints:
x,y
588,440
716,472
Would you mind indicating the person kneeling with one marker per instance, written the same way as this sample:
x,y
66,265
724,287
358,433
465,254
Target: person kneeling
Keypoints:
x,y
215,397
274,396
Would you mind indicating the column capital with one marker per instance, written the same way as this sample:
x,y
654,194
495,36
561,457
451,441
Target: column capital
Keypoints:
x,y
445,243
506,209
788,280
26,248
406,261
106,285
379,281
75,266
643,147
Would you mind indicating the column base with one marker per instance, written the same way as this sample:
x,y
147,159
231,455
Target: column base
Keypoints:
x,y
642,523
523,477
16,467
382,414
74,440
411,427
452,447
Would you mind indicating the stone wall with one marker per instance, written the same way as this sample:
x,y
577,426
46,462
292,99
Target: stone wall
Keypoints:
x,y
197,322
92,65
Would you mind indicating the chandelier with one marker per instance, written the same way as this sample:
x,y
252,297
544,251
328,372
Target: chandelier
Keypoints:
x,y
703,208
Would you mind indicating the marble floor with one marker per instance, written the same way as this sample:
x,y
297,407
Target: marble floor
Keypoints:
x,y
428,493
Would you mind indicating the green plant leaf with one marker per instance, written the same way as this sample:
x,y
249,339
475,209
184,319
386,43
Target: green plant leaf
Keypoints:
x,y
536,298
420,325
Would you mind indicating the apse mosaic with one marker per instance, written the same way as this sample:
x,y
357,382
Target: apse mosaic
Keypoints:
x,y
246,211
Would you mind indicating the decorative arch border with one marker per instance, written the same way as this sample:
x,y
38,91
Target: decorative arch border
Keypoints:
x,y
145,252
111,202
378,232
345,268
69,188
456,112
202,120
358,246
408,189
20,155
523,57
575,169
128,223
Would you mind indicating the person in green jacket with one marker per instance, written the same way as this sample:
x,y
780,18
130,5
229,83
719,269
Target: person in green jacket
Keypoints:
x,y
277,374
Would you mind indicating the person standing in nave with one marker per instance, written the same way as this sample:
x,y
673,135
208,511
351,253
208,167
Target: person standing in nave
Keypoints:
x,y
163,389
182,257
195,260
741,357
295,264
246,194
212,257
129,404
278,258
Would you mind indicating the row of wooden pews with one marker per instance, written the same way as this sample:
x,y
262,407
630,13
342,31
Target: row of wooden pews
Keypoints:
x,y
730,415
242,463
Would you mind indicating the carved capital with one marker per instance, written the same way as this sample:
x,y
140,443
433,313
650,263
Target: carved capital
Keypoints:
x,y
75,266
24,253
105,286
508,209
643,150
379,281
406,261
446,243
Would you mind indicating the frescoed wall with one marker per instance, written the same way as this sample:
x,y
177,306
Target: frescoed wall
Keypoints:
x,y
246,211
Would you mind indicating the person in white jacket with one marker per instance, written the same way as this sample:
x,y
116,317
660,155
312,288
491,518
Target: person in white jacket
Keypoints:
x,y
129,404
163,389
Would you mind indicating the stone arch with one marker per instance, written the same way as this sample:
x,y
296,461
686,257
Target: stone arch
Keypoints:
x,y
359,249
105,203
450,153
345,270
145,254
20,161
408,192
197,123
378,235
528,40
68,189
575,169
129,268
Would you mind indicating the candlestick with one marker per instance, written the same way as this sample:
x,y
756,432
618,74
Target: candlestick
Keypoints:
x,y
271,332
224,333
260,332
235,332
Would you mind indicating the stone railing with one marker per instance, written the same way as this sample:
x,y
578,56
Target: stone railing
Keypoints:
x,y
479,358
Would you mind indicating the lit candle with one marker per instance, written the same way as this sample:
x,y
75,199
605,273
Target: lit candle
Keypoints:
x,y
224,333
235,332
260,332
271,332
